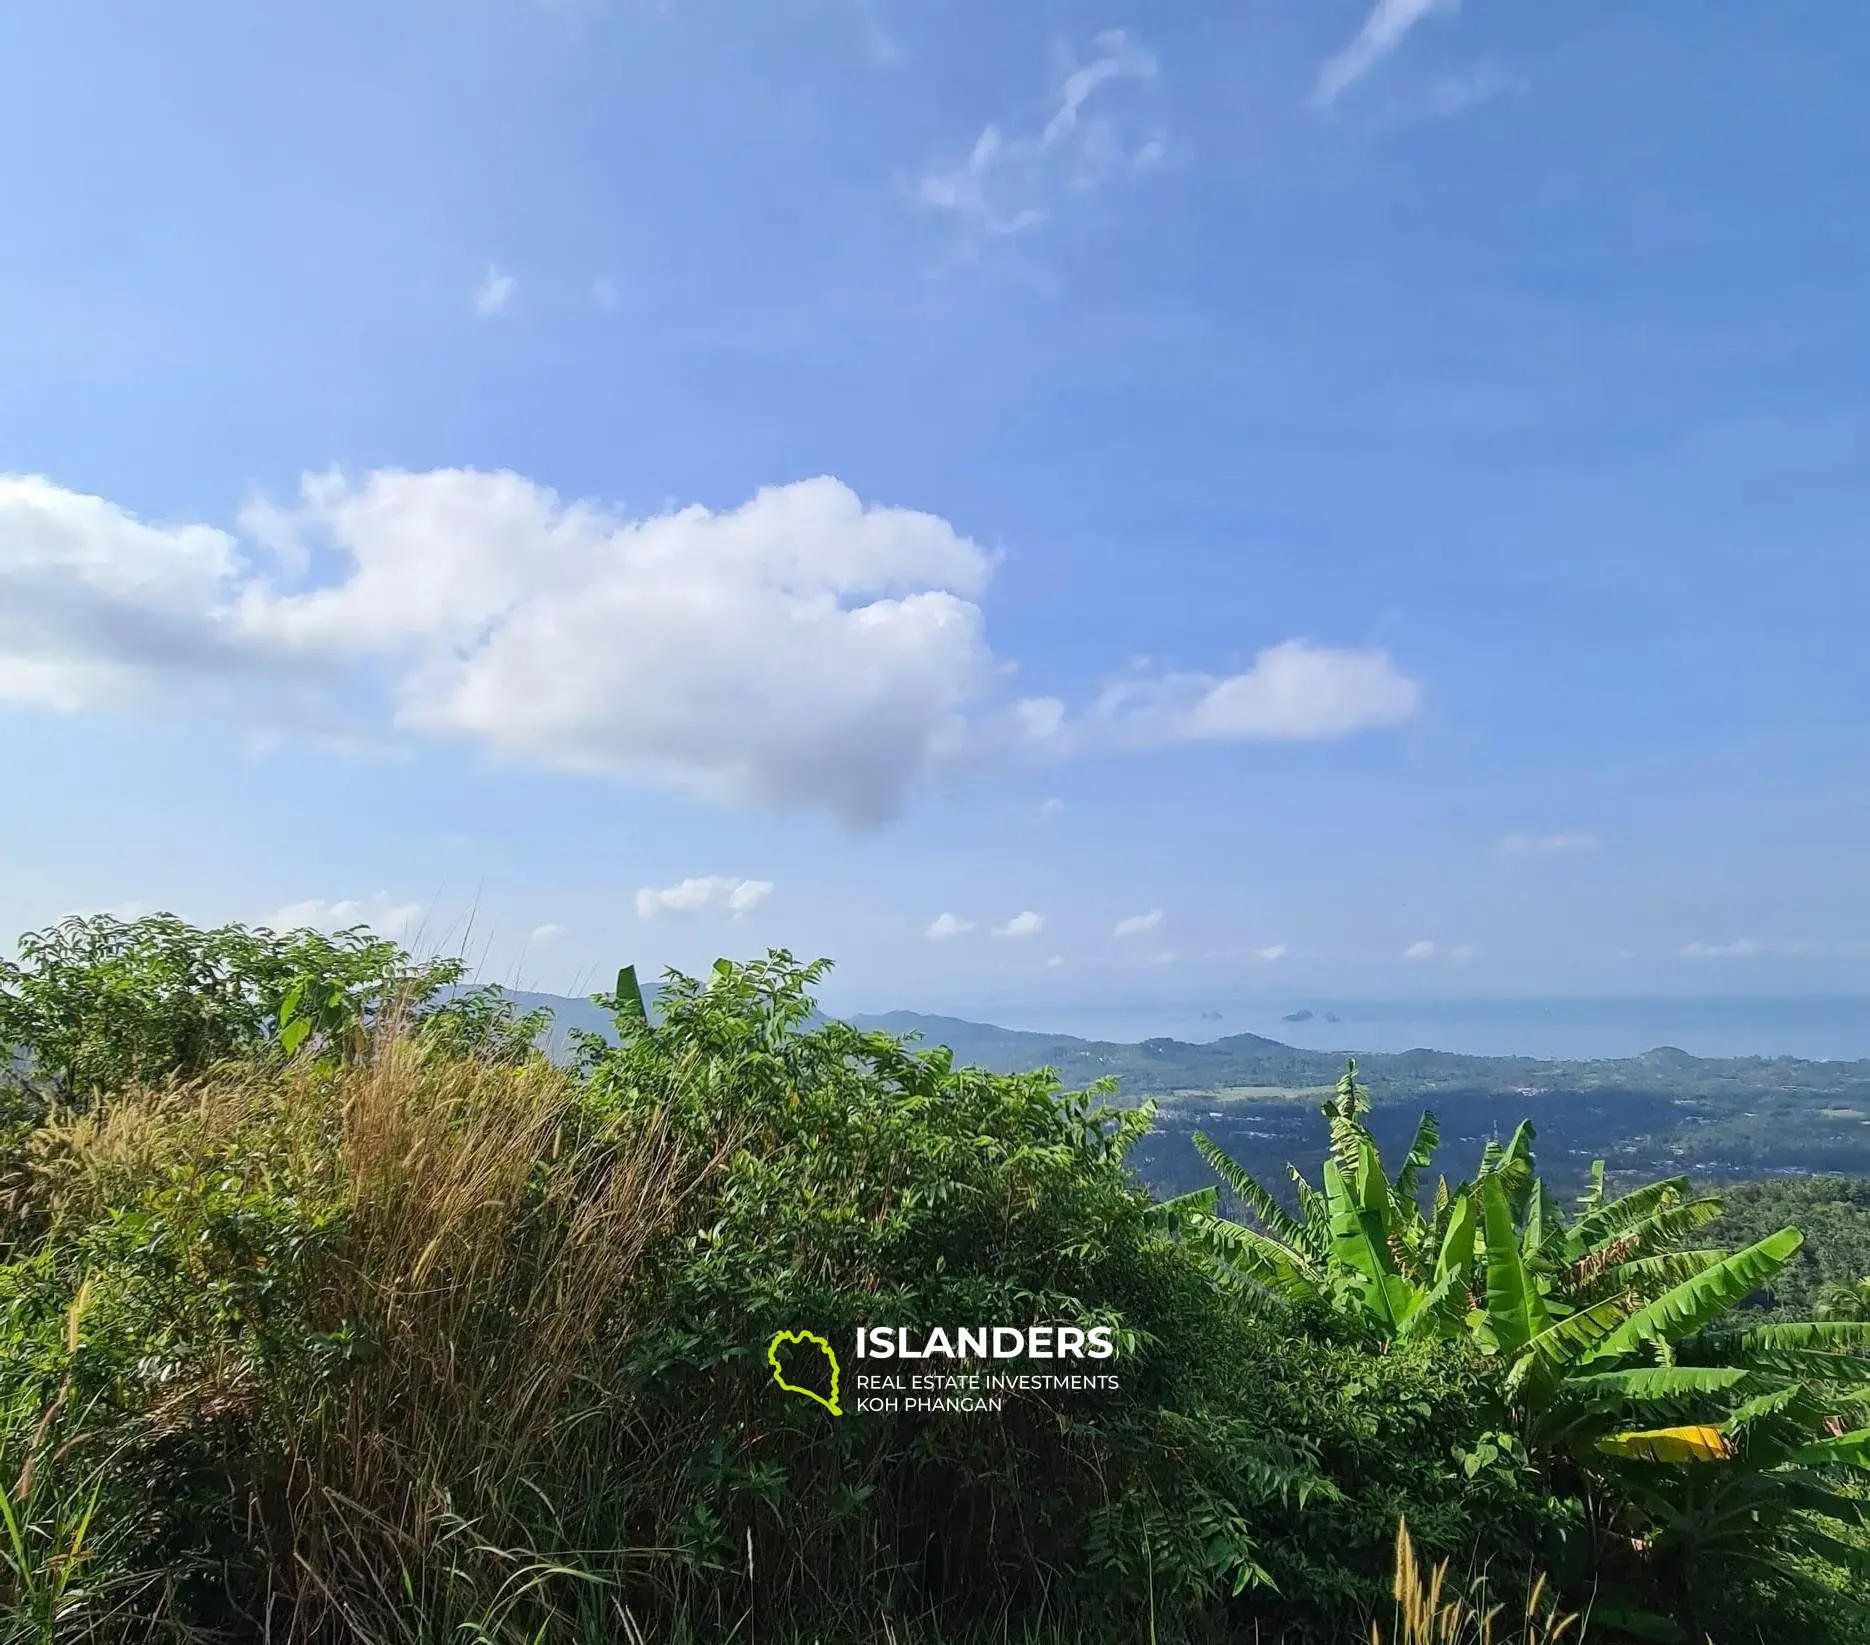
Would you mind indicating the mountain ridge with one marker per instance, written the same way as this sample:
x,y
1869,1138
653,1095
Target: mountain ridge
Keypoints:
x,y
1247,1061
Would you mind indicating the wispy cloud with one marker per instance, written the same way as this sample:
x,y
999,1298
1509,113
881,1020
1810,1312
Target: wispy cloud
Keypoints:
x,y
1028,924
1384,29
1049,810
702,894
1139,924
1456,93
1007,185
1272,951
884,49
1749,948
1568,844
493,294
542,934
1740,948
381,913
944,926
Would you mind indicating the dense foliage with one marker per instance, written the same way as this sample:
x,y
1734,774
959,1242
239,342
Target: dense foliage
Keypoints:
x,y
1833,1213
329,1309
1632,1372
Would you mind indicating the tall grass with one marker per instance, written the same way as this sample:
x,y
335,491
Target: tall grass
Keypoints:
x,y
1431,1611
472,1260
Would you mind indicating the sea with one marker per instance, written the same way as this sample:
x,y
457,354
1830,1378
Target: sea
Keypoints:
x,y
1814,1027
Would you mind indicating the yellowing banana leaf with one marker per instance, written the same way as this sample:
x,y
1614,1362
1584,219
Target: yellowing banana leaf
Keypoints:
x,y
1695,1443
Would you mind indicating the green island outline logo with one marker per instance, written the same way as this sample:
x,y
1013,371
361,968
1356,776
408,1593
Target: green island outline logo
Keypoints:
x,y
830,1353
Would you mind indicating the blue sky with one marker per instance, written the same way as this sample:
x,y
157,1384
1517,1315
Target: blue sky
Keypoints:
x,y
1371,501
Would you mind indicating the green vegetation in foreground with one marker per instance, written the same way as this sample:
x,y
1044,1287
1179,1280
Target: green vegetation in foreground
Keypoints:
x,y
331,1310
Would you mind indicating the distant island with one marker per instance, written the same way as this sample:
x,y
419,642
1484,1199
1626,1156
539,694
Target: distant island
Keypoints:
x,y
1297,1016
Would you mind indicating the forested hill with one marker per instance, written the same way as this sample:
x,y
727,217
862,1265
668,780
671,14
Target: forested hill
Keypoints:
x,y
1253,1063
1242,1062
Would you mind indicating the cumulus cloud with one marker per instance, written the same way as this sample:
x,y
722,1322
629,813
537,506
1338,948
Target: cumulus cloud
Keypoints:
x,y
1273,951
1419,952
802,650
1137,925
1384,29
1548,845
707,893
1007,185
944,926
493,294
382,914
1294,692
1054,961
96,606
1028,924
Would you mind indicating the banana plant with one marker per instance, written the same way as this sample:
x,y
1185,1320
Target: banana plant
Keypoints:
x,y
1360,1240
1734,1443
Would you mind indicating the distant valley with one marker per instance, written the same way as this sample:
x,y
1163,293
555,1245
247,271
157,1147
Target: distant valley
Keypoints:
x,y
1659,1112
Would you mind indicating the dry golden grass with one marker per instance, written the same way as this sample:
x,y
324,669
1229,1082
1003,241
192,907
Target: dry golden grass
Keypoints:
x,y
1428,1612
493,1227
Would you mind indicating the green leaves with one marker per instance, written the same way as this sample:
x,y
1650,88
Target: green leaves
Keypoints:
x,y
1515,1311
1686,1308
96,1004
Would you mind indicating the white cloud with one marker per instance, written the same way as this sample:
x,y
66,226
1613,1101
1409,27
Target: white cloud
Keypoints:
x,y
1741,948
944,926
1054,961
493,294
1007,185
802,650
1294,692
1418,952
707,893
1049,811
1274,951
1382,32
543,934
95,605
1137,925
1548,845
381,914
1028,924
1461,953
